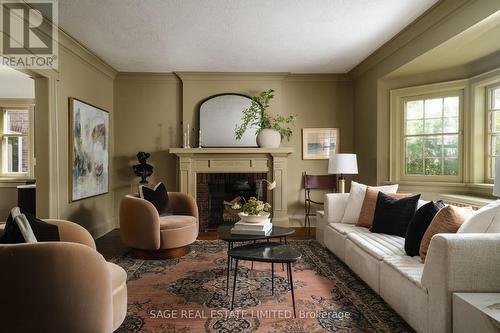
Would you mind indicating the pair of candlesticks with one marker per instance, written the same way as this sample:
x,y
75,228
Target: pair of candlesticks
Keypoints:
x,y
187,137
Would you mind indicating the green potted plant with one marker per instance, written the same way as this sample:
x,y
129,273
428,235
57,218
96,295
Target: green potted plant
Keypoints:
x,y
270,129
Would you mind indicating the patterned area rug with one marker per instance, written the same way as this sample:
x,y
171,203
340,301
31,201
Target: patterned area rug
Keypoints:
x,y
189,295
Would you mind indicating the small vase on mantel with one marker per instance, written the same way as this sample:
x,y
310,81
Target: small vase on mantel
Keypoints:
x,y
269,138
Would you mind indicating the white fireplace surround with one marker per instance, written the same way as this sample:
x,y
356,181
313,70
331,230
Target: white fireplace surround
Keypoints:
x,y
272,161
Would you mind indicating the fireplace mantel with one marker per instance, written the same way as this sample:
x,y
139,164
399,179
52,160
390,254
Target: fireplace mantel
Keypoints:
x,y
273,161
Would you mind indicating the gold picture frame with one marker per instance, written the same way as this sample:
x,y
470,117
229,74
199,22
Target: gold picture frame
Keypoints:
x,y
318,143
88,150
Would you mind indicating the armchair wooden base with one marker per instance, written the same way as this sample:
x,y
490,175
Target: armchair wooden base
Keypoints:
x,y
161,253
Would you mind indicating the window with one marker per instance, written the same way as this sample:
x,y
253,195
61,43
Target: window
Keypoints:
x,y
16,160
493,125
432,136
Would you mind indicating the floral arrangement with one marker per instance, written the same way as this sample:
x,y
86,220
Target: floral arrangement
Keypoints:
x,y
254,206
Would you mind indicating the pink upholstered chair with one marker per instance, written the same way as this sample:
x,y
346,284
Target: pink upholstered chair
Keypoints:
x,y
153,236
64,286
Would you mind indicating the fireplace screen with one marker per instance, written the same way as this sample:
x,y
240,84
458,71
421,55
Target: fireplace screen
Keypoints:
x,y
216,192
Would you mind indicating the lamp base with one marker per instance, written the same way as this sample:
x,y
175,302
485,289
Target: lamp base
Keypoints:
x,y
341,185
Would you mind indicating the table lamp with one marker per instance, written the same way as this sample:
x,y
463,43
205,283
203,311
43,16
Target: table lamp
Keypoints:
x,y
342,164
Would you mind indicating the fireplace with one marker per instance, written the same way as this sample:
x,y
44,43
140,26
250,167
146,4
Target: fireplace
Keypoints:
x,y
215,193
272,162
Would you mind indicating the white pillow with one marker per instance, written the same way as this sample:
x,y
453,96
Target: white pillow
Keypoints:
x,y
24,225
485,220
356,197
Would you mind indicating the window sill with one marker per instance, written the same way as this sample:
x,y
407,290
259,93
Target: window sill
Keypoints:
x,y
13,182
441,184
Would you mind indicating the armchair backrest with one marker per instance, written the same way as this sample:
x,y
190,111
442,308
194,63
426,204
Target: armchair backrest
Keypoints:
x,y
68,279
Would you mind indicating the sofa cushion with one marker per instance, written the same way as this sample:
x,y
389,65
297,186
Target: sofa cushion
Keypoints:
x,y
345,228
176,221
447,220
392,216
369,205
378,245
411,268
419,224
485,220
356,197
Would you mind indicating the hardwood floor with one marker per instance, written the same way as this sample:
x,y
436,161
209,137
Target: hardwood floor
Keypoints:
x,y
111,245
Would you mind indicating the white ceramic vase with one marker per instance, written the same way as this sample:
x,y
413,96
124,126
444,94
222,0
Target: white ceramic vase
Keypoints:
x,y
269,138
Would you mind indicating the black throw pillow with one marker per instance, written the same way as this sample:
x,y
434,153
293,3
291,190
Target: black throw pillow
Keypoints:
x,y
419,224
43,231
158,197
392,216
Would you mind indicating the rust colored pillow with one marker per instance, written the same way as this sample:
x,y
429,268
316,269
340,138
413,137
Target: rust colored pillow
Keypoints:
x,y
369,204
446,221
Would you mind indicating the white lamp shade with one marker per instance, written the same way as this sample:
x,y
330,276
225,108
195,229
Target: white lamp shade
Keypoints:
x,y
346,164
496,187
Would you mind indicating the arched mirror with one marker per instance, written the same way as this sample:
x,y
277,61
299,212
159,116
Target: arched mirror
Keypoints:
x,y
219,116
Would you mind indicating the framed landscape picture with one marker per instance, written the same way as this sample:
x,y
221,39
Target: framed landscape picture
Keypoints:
x,y
318,143
88,150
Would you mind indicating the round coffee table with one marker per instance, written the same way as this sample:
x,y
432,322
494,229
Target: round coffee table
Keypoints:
x,y
224,233
266,252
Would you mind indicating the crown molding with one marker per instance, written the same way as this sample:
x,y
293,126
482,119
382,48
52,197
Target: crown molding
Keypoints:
x,y
322,77
429,20
148,77
74,47
230,76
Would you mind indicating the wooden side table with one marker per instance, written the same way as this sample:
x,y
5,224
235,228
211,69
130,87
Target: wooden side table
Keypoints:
x,y
476,312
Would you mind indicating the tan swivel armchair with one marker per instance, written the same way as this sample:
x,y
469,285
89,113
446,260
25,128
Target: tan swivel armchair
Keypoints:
x,y
64,286
155,236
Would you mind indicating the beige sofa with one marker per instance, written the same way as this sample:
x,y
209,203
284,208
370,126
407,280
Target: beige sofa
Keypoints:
x,y
64,286
420,293
152,235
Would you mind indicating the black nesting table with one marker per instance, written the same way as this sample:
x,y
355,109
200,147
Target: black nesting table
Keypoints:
x,y
224,233
266,252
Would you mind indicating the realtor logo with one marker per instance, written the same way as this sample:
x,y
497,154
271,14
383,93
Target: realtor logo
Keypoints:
x,y
29,34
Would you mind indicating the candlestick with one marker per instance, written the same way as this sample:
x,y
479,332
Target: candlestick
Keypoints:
x,y
188,136
185,140
199,139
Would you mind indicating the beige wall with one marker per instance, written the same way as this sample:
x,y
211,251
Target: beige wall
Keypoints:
x,y
371,96
148,119
151,107
82,75
80,78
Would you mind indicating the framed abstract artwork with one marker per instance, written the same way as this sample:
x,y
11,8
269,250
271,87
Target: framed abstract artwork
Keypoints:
x,y
88,150
319,143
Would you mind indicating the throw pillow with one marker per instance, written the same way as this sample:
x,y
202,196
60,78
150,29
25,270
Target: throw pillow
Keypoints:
x,y
419,224
485,220
447,220
158,196
42,231
369,204
356,198
392,216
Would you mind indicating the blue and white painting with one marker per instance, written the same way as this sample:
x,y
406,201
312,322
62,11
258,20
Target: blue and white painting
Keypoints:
x,y
89,150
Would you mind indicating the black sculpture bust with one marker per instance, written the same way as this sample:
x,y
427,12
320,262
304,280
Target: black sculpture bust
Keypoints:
x,y
143,169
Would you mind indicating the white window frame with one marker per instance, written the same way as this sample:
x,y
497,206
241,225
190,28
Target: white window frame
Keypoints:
x,y
18,105
397,147
489,134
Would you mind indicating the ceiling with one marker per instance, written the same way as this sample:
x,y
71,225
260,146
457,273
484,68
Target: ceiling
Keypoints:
x,y
473,44
300,36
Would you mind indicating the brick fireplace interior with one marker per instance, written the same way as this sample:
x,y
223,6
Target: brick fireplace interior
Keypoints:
x,y
215,191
